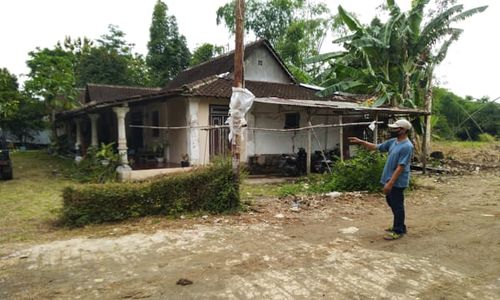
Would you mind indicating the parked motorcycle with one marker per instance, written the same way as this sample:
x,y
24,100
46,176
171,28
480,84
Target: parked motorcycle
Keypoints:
x,y
293,164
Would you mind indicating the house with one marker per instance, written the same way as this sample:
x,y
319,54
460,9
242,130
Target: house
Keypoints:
x,y
172,118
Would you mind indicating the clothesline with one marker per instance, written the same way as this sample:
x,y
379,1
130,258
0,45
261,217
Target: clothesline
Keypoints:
x,y
212,127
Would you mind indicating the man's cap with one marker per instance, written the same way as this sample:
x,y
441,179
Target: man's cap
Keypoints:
x,y
401,123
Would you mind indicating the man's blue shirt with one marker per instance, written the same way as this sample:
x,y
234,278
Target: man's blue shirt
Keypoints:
x,y
400,153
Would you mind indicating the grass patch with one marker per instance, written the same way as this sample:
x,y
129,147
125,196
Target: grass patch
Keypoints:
x,y
33,198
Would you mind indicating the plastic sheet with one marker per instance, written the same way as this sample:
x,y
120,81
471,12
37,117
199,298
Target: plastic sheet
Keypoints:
x,y
241,102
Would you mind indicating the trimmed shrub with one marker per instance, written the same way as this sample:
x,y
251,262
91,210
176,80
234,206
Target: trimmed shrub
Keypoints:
x,y
487,138
208,189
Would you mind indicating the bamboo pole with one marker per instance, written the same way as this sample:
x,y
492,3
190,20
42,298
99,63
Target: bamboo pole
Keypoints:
x,y
309,147
341,139
375,131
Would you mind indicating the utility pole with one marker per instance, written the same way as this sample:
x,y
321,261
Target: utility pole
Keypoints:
x,y
238,82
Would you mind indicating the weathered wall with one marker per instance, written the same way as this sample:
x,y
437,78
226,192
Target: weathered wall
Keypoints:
x,y
272,116
177,139
203,119
268,69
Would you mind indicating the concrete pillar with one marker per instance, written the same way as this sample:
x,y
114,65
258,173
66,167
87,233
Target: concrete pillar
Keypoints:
x,y
193,133
121,112
375,131
78,142
93,122
341,138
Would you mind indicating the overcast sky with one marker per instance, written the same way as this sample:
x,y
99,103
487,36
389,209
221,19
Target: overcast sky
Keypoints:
x,y
471,67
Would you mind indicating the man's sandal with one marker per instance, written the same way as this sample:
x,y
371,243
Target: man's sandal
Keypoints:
x,y
392,236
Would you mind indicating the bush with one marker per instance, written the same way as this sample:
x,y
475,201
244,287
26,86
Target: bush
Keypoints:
x,y
97,166
361,173
485,137
206,189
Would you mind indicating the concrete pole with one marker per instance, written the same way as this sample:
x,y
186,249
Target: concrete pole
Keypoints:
x,y
78,142
93,122
121,112
375,130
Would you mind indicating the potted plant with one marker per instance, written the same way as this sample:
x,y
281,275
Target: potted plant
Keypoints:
x,y
105,153
185,160
159,153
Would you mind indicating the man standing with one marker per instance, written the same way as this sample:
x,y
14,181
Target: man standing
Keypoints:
x,y
396,174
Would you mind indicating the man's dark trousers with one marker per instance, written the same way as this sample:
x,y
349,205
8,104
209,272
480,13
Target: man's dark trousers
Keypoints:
x,y
395,200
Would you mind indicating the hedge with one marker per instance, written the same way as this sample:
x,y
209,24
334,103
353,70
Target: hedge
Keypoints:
x,y
208,189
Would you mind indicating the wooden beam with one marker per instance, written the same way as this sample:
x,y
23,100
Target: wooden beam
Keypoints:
x,y
238,82
341,139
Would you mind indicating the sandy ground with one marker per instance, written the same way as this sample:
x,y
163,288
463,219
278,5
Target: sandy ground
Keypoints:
x,y
332,248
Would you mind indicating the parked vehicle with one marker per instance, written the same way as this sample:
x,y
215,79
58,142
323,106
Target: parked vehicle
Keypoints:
x,y
293,164
321,164
5,161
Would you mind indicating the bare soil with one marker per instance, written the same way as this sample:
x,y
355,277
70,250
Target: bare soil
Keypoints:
x,y
330,248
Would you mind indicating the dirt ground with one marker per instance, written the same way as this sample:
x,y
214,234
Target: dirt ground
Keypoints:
x,y
331,248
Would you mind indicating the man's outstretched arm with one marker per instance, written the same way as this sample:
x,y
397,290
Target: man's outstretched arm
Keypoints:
x,y
365,144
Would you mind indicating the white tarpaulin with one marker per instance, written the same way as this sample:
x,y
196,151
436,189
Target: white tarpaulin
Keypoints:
x,y
241,102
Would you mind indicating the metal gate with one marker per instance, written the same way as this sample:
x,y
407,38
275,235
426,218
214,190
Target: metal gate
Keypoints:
x,y
219,143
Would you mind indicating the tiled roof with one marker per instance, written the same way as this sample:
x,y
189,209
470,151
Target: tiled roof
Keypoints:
x,y
221,88
219,65
102,93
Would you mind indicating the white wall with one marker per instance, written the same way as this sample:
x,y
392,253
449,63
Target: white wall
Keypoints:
x,y
272,116
269,69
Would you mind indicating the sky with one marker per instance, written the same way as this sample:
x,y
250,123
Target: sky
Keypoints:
x,y
471,67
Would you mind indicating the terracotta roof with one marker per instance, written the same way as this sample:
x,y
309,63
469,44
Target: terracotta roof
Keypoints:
x,y
103,93
221,88
220,65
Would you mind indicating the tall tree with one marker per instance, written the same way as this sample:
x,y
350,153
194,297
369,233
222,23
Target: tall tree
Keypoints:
x,y
9,95
168,53
295,28
205,52
52,76
111,62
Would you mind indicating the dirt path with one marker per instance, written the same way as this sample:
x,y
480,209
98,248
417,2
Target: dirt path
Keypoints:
x,y
331,249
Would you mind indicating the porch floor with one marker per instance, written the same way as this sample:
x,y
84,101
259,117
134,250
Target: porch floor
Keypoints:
x,y
154,165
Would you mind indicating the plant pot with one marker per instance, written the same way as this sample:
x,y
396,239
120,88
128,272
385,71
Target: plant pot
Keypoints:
x,y
184,163
159,160
105,162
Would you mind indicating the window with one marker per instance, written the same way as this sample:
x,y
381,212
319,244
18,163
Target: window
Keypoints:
x,y
260,62
292,120
155,121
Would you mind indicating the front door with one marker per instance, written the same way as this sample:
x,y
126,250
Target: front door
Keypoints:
x,y
136,134
219,143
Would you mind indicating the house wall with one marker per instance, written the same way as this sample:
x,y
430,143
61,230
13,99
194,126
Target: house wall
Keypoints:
x,y
273,116
177,139
267,70
149,141
203,120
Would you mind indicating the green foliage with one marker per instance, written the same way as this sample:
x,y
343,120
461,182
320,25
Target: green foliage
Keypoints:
x,y
97,166
295,28
361,173
394,60
111,62
19,114
168,53
205,52
9,95
454,119
485,137
206,189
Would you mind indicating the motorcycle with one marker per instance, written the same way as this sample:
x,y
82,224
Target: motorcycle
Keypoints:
x,y
293,164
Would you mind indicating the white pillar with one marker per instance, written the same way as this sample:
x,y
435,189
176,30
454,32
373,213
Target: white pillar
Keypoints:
x,y
121,112
78,142
193,133
375,131
93,122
